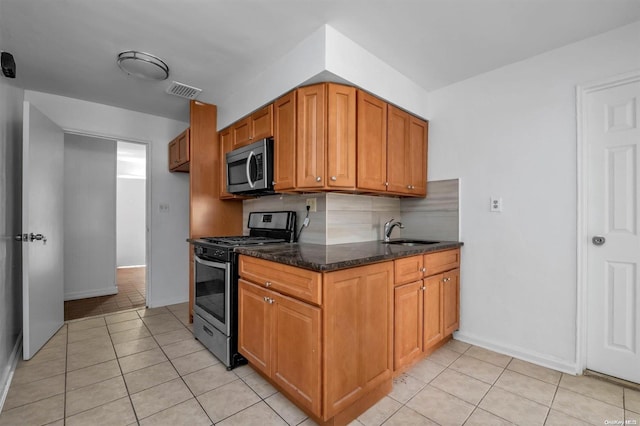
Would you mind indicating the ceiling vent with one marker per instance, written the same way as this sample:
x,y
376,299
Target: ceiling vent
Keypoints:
x,y
183,90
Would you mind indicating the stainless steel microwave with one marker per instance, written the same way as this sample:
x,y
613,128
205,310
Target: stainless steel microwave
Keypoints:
x,y
250,169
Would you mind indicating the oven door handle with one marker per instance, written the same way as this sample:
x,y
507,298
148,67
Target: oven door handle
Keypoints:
x,y
251,183
224,266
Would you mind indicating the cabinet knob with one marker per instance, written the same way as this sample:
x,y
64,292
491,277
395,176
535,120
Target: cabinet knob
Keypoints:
x,y
270,300
273,182
318,178
386,184
446,280
267,284
333,178
423,288
266,299
411,187
423,269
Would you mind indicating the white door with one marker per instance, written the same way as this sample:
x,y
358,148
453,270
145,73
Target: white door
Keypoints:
x,y
613,144
42,225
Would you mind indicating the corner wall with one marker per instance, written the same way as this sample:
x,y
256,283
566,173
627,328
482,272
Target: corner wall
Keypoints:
x,y
169,229
11,101
512,133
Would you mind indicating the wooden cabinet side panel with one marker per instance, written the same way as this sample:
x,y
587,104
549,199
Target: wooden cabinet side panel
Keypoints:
x,y
371,144
297,351
408,269
297,282
183,147
285,142
399,157
208,215
358,333
341,136
254,325
433,330
310,144
451,301
418,155
408,324
262,123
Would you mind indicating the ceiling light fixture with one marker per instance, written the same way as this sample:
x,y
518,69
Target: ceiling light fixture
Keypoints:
x,y
143,65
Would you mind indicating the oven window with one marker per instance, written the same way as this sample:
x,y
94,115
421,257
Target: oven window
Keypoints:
x,y
210,290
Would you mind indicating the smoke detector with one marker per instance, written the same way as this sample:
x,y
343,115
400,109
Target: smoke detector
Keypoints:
x,y
183,90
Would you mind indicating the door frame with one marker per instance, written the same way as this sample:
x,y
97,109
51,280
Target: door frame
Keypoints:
x,y
148,145
582,240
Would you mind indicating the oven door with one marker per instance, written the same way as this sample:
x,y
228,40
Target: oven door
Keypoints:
x,y
213,293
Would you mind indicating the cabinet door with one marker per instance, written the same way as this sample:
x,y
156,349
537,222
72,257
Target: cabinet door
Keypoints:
x,y
174,156
433,331
254,325
341,136
408,311
417,161
241,133
284,152
226,145
183,147
357,333
399,157
371,144
296,350
451,301
310,145
261,123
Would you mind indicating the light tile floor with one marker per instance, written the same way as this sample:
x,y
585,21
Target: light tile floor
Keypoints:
x,y
144,368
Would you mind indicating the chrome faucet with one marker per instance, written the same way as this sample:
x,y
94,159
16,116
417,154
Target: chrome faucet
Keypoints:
x,y
388,227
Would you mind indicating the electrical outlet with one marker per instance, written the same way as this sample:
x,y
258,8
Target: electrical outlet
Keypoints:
x,y
496,205
164,208
311,202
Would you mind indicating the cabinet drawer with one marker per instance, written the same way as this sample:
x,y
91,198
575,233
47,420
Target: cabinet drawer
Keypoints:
x,y
442,261
408,269
296,282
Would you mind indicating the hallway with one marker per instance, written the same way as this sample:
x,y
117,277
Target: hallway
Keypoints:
x,y
131,294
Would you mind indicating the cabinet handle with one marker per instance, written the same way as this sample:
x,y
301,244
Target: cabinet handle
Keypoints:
x,y
333,178
266,299
318,178
267,284
270,301
446,280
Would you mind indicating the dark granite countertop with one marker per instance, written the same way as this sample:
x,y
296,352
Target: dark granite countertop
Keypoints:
x,y
319,257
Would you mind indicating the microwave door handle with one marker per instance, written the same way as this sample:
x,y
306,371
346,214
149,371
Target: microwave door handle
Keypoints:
x,y
251,183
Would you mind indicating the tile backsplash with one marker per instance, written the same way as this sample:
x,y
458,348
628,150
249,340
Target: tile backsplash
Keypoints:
x,y
350,218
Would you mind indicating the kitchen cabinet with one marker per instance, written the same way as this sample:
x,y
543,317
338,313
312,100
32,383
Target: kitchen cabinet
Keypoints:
x,y
280,336
323,128
392,149
284,150
258,125
179,153
427,310
226,145
324,339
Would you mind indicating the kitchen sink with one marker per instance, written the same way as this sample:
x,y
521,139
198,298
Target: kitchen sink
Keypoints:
x,y
405,242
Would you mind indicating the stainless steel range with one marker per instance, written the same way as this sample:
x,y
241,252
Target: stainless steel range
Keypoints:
x,y
215,319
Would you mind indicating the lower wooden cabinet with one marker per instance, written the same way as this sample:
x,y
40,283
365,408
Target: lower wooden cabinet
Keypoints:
x,y
327,359
280,336
426,311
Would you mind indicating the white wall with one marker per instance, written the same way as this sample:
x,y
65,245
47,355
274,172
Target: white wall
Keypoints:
x,y
169,251
130,220
326,55
512,133
10,224
89,217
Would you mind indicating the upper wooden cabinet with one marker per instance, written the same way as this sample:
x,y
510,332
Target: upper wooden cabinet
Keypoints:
x,y
257,126
226,144
392,148
284,150
179,153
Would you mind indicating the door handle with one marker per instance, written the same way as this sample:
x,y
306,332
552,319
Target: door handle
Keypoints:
x,y
21,237
37,237
598,240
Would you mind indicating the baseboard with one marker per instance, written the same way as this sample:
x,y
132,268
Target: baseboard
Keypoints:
x,y
520,353
107,291
131,266
7,375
